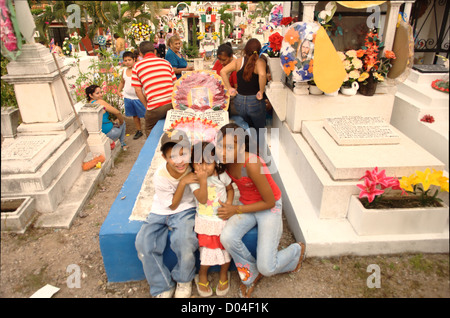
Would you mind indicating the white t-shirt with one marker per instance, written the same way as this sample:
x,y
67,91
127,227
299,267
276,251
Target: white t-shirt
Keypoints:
x,y
128,90
165,187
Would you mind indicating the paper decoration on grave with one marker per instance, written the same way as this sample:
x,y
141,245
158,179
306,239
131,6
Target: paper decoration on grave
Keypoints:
x,y
196,128
297,51
329,72
360,4
11,36
403,48
276,14
200,91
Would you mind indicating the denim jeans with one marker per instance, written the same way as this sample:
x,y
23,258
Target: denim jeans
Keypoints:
x,y
253,111
151,242
118,133
269,260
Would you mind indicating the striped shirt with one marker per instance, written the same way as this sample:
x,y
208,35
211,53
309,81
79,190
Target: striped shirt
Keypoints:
x,y
156,77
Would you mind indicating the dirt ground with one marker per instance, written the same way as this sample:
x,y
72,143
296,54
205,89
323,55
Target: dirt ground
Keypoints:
x,y
43,256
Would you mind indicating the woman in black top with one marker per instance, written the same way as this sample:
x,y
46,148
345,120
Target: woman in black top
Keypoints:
x,y
251,78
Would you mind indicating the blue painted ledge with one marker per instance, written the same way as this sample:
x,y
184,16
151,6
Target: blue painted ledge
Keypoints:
x,y
118,233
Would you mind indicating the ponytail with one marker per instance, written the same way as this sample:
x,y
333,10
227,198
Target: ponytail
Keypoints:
x,y
251,53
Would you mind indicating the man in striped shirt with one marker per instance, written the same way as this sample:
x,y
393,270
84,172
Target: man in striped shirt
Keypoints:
x,y
153,80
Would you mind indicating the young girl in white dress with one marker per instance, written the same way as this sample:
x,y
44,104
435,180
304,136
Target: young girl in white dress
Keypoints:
x,y
214,186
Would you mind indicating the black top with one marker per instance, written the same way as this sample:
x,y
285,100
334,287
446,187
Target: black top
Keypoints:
x,y
247,88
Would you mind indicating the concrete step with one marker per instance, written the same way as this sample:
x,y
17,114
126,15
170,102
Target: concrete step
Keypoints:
x,y
424,93
433,137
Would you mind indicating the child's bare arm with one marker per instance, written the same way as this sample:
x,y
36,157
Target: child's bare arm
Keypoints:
x,y
230,194
178,195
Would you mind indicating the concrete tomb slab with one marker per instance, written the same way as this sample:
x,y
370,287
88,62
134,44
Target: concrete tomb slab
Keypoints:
x,y
351,162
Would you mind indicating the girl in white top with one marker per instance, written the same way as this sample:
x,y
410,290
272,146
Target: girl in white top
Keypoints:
x,y
214,187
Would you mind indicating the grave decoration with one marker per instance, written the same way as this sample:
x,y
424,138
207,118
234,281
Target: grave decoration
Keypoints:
x,y
200,90
375,65
423,188
307,47
200,105
11,36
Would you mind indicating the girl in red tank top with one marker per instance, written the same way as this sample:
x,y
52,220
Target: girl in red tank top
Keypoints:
x,y
261,206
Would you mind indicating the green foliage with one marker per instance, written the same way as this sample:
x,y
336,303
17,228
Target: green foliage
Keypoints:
x,y
104,72
8,97
191,50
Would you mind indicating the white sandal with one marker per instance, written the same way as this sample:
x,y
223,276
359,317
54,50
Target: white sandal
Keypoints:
x,y
201,292
225,291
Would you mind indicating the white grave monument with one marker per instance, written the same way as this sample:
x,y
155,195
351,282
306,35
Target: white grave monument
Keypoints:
x,y
44,159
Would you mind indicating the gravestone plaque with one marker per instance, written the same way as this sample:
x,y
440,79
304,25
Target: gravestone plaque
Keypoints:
x,y
24,148
359,130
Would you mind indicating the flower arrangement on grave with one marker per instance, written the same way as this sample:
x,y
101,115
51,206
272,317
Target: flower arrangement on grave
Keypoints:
x,y
376,185
374,65
201,35
275,41
11,37
75,39
140,32
325,18
427,119
66,47
286,21
215,35
352,65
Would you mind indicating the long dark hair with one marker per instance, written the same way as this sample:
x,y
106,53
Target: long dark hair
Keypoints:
x,y
238,132
205,151
251,53
90,90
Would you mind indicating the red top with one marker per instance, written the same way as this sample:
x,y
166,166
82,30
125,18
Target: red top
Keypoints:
x,y
248,190
218,67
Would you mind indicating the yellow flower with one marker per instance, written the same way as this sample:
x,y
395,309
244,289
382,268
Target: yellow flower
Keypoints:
x,y
426,178
378,76
440,180
407,183
363,77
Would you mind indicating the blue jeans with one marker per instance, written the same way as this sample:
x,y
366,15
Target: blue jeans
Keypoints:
x,y
118,133
269,260
253,111
151,242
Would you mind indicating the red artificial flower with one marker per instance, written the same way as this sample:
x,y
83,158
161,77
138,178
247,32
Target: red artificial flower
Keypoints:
x,y
428,119
275,41
286,21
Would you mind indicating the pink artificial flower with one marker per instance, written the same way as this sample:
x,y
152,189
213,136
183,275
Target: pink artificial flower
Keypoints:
x,y
377,177
369,190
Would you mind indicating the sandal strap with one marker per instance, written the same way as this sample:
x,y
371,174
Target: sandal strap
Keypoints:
x,y
223,283
204,285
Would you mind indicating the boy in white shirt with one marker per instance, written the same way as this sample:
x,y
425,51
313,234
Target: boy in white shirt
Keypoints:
x,y
173,208
133,106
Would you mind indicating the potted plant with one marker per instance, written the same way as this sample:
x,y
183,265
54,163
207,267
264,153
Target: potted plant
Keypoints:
x,y
375,67
410,205
352,65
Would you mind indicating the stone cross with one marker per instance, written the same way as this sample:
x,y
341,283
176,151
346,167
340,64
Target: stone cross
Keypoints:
x,y
25,20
